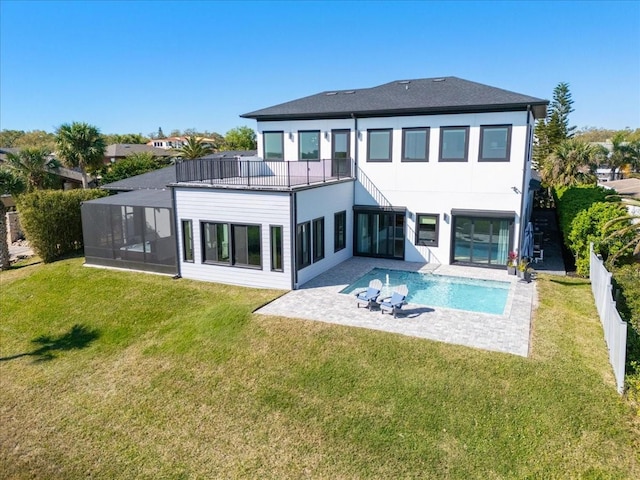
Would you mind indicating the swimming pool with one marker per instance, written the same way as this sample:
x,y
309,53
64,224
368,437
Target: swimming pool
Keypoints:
x,y
485,296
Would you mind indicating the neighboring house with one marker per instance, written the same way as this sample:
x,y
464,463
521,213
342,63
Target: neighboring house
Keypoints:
x,y
431,170
119,151
168,142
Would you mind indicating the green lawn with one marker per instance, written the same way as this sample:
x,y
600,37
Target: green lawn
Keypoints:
x,y
108,374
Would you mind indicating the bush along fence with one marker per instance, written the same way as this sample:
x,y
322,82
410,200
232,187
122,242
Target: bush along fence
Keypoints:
x,y
615,329
51,220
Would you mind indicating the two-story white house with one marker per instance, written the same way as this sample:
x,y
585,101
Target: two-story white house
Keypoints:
x,y
429,170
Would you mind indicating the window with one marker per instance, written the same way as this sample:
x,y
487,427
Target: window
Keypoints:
x,y
495,143
309,145
454,144
379,145
276,248
303,249
339,231
273,145
246,245
215,242
415,144
427,229
187,241
318,239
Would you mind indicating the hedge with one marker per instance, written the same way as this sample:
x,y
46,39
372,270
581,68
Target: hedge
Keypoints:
x,y
51,220
570,201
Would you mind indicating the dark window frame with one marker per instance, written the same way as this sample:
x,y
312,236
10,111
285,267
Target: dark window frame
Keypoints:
x,y
427,131
274,267
339,218
303,258
318,247
466,144
378,130
508,146
340,131
319,133
437,232
264,144
185,251
203,223
233,254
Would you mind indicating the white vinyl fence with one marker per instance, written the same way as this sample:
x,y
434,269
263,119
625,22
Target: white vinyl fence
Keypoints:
x,y
615,329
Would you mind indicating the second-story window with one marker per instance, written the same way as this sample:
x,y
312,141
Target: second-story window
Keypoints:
x,y
309,145
454,144
495,143
379,143
415,144
273,144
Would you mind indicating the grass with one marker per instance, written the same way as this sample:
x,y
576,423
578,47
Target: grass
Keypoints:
x,y
110,374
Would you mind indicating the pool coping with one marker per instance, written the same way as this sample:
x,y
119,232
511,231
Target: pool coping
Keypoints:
x,y
320,300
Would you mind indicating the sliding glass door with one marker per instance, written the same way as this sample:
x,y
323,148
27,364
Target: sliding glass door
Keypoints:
x,y
379,233
481,240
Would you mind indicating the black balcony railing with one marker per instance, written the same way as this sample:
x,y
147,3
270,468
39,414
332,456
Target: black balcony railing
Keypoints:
x,y
258,173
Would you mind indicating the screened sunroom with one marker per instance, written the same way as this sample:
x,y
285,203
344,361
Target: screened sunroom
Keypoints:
x,y
133,230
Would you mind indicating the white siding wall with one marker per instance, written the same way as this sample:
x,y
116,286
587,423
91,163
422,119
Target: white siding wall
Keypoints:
x,y
239,207
431,187
325,202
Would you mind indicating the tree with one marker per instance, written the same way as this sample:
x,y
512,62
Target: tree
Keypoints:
x,y
133,138
553,129
37,139
240,138
33,165
572,163
8,138
80,145
622,153
194,148
135,164
10,184
627,227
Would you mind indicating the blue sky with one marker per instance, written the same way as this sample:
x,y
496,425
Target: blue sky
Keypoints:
x,y
133,66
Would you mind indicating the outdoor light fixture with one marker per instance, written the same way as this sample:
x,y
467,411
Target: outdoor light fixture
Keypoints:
x,y
515,189
326,135
291,136
360,135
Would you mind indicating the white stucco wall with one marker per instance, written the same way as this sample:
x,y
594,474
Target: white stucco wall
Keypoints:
x,y
325,202
430,187
239,207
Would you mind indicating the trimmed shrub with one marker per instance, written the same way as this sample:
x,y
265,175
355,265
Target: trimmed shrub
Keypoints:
x,y
51,220
589,226
131,166
571,201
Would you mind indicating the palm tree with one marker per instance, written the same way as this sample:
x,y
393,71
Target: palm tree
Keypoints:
x,y
194,148
621,154
629,228
572,162
34,166
10,184
80,145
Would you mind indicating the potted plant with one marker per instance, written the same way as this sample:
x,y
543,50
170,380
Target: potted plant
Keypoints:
x,y
512,263
522,267
527,274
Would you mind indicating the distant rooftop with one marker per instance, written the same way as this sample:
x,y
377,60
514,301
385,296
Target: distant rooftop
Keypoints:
x,y
404,97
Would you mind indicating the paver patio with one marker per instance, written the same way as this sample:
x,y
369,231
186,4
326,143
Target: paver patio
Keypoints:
x,y
320,300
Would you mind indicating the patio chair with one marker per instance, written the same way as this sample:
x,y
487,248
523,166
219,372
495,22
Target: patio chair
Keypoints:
x,y
370,296
394,304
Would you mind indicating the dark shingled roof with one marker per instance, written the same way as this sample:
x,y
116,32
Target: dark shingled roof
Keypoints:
x,y
404,97
126,149
137,198
155,180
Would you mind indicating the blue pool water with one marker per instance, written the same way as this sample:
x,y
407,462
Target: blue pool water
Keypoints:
x,y
486,296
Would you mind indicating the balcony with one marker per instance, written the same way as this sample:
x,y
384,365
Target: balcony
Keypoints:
x,y
262,174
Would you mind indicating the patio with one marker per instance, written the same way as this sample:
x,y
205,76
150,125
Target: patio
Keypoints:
x,y
320,300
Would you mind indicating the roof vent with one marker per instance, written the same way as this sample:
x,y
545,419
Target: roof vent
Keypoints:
x,y
438,80
331,93
404,82
349,92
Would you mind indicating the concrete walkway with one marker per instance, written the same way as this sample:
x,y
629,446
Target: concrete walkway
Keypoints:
x,y
320,300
